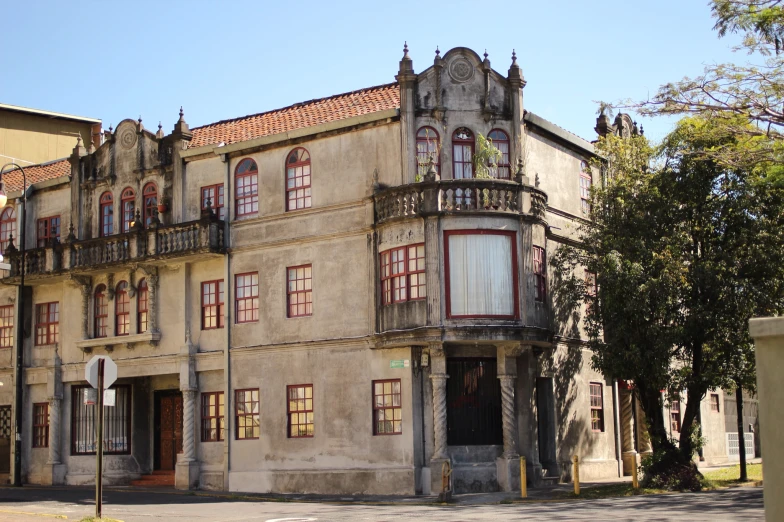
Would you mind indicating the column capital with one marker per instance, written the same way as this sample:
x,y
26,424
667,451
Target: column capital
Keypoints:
x,y
436,349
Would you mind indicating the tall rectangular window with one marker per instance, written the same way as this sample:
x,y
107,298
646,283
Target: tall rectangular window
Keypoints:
x,y
48,229
299,291
212,304
214,194
714,400
47,323
246,293
597,406
300,410
481,274
6,326
41,425
387,408
675,415
246,403
585,188
116,422
403,274
540,274
212,417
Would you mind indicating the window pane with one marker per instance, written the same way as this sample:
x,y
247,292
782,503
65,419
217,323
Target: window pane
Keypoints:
x,y
481,279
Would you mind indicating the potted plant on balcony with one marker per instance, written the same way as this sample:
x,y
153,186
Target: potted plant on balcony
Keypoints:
x,y
162,205
486,158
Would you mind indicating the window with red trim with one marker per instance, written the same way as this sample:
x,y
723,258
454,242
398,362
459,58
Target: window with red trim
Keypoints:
x,y
590,289
246,292
212,417
298,179
6,326
128,205
7,227
214,194
48,230
403,274
675,415
41,425
463,153
300,410
246,403
387,408
597,406
714,401
246,178
540,274
299,291
107,214
212,304
585,188
142,306
122,310
427,147
150,196
47,323
101,312
500,140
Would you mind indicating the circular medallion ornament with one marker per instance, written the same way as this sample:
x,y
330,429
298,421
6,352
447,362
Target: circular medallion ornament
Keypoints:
x,y
128,138
461,70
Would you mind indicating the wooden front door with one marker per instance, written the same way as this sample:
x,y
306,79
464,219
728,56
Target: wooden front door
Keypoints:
x,y
168,429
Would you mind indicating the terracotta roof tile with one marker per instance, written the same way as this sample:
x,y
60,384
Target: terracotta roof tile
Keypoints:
x,y
36,174
298,116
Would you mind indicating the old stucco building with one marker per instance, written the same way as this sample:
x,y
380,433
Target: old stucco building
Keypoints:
x,y
321,298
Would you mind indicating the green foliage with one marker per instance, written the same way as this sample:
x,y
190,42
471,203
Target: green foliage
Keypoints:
x,y
761,21
486,157
667,469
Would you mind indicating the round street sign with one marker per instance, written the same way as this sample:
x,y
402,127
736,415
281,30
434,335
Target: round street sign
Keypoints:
x,y
109,371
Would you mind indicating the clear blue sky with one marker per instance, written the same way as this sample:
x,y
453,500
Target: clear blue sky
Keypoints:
x,y
115,60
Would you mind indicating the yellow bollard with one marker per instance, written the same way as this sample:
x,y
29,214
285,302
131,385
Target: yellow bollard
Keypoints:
x,y
576,474
523,485
635,479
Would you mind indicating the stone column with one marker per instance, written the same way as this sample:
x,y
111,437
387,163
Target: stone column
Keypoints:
x,y
433,270
188,426
152,316
86,291
186,475
438,378
508,466
509,413
641,425
629,454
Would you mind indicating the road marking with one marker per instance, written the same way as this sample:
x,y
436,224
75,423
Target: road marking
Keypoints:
x,y
291,520
33,514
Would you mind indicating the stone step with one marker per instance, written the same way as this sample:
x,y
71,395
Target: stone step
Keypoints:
x,y
157,479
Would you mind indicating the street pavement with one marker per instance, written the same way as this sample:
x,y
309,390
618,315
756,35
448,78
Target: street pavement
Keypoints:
x,y
41,504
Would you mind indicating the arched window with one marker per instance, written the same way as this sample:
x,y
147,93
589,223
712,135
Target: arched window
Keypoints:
x,y
128,202
101,311
463,153
107,214
247,182
298,179
142,303
501,141
122,310
427,146
150,195
7,227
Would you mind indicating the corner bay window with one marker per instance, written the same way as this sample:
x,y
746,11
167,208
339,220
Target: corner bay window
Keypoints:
x,y
212,417
597,407
116,422
403,274
387,408
481,274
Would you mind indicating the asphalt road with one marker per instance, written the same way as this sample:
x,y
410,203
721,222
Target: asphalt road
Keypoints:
x,y
29,504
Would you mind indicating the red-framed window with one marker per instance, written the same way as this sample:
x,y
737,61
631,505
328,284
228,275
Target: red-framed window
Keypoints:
x,y
675,415
597,406
41,425
212,304
100,312
387,407
7,227
246,300
122,309
107,214
427,146
403,274
298,188
212,417
128,205
214,194
585,187
299,291
142,306
500,140
246,404
463,153
591,289
150,197
246,178
300,410
116,423
48,230
714,402
540,274
47,323
481,274
6,326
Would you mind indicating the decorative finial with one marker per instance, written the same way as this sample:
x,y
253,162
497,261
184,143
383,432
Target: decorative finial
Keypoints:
x,y
78,139
642,132
536,182
110,128
438,53
140,120
485,54
514,57
182,113
159,125
405,47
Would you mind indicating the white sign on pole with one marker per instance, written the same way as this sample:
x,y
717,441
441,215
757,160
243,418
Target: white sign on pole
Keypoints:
x,y
108,397
90,397
109,371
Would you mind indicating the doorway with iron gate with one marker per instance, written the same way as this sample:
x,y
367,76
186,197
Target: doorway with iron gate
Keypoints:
x,y
168,430
5,439
473,395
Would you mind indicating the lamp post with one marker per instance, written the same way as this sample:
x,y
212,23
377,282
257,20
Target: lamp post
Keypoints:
x,y
20,327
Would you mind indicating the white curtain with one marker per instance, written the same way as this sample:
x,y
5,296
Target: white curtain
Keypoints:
x,y
480,274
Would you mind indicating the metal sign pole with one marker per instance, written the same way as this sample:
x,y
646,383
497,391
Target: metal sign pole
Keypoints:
x,y
99,450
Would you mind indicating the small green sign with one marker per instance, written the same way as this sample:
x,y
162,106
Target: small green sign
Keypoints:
x,y
400,363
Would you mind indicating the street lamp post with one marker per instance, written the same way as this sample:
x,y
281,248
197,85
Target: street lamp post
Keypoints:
x,y
20,327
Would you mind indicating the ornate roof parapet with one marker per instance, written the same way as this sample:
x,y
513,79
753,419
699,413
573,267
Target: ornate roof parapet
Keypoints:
x,y
181,129
515,74
406,71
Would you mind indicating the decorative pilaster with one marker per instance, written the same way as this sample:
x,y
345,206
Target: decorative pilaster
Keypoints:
x,y
55,456
188,427
433,271
152,285
509,417
629,454
85,284
439,415
641,425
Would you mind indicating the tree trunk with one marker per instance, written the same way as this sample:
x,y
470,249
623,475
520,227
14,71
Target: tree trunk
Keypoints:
x,y
651,402
690,414
741,436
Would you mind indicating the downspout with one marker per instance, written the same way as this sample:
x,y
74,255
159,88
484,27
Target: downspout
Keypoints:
x,y
227,322
617,426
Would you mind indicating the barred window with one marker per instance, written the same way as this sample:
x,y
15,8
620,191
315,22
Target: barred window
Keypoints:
x,y
41,425
212,417
246,414
597,406
212,304
101,312
387,408
300,291
116,422
300,410
403,274
142,306
122,310
298,179
540,274
6,326
47,323
247,185
247,297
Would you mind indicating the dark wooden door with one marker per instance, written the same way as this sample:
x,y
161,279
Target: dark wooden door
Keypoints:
x,y
5,439
473,402
168,423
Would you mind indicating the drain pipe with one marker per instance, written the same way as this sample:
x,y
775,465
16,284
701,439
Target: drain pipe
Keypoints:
x,y
227,320
617,425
